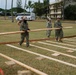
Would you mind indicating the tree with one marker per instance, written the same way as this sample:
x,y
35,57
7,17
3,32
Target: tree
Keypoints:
x,y
38,8
46,6
68,1
19,6
1,9
74,0
19,3
25,5
12,11
30,5
5,9
1,12
70,12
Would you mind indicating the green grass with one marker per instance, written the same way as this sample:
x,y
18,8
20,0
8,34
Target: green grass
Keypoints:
x,y
45,65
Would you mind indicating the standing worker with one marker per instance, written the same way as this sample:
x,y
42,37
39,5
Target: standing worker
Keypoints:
x,y
58,32
49,25
24,27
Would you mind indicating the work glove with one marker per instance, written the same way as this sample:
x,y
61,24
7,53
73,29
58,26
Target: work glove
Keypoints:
x,y
28,29
24,31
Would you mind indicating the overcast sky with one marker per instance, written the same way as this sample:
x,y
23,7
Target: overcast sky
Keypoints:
x,y
2,3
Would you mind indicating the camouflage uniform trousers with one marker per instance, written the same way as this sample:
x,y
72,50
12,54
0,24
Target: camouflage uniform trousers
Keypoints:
x,y
23,36
58,34
48,33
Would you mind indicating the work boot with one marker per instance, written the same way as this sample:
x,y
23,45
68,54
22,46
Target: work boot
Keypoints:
x,y
60,41
56,39
20,44
48,36
27,45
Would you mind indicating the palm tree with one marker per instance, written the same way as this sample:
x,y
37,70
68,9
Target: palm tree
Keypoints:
x,y
46,6
19,3
25,5
12,10
63,9
19,6
5,9
38,0
29,5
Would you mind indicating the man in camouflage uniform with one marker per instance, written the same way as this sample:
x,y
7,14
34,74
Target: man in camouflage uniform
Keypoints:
x,y
49,25
24,27
58,32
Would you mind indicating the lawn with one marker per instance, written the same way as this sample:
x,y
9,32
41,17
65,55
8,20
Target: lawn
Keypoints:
x,y
64,64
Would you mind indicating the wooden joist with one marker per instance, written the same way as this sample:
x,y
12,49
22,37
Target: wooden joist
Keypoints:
x,y
42,39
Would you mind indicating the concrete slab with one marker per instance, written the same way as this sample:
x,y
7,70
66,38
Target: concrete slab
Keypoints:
x,y
55,54
10,63
39,58
24,72
70,51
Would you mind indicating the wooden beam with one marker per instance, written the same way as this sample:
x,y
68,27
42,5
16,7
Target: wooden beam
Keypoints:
x,y
14,32
35,30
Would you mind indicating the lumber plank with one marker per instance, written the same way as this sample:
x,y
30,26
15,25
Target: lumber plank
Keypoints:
x,y
34,30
